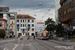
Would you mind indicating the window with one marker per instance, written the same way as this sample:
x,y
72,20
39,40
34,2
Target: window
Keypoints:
x,y
62,4
25,20
70,9
28,20
28,16
25,16
20,16
12,27
58,15
18,29
21,25
32,20
32,25
17,20
17,16
21,20
67,1
64,12
1,24
32,29
1,15
12,22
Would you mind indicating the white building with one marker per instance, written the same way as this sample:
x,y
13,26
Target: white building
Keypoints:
x,y
22,22
57,6
7,18
40,26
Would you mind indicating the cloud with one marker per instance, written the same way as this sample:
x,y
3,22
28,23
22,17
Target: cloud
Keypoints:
x,y
39,14
27,3
30,7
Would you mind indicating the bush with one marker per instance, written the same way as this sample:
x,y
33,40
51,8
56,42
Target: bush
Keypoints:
x,y
72,37
2,33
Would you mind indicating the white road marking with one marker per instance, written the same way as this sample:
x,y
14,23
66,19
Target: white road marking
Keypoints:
x,y
5,48
15,46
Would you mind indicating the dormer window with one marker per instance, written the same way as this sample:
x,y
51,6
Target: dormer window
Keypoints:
x,y
25,16
17,16
28,16
20,16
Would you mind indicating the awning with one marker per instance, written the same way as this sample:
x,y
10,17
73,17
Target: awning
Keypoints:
x,y
23,28
28,24
18,24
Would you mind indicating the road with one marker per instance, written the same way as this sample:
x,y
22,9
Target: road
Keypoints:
x,y
35,45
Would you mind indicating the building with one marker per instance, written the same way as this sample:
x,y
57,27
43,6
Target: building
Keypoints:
x,y
5,19
22,25
40,26
66,14
12,25
57,6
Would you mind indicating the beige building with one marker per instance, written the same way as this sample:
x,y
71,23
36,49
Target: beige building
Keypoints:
x,y
22,24
12,25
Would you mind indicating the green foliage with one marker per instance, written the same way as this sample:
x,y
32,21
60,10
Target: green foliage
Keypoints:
x,y
49,20
2,33
72,37
50,27
59,30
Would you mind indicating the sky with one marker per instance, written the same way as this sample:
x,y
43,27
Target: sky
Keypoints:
x,y
31,8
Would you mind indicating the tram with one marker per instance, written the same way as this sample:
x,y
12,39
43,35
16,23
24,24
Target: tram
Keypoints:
x,y
45,35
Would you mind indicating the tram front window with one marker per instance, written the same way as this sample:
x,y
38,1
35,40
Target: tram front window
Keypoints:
x,y
44,34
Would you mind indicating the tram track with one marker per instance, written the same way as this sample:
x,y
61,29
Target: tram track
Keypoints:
x,y
34,45
46,45
42,44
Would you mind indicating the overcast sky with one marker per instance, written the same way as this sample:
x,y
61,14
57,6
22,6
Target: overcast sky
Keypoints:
x,y
31,8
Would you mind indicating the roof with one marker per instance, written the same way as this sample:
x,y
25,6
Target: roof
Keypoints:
x,y
1,19
25,16
40,23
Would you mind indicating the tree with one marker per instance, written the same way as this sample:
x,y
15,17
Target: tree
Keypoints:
x,y
50,24
59,30
2,33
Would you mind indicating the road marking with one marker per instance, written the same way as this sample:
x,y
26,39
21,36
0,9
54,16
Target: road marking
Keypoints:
x,y
5,48
15,46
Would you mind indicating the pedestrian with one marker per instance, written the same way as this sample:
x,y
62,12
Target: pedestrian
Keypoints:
x,y
28,37
34,37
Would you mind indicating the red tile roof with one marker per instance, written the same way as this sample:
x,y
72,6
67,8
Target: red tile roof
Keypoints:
x,y
40,23
23,16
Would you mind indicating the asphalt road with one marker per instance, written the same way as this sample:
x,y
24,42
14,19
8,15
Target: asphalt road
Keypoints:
x,y
35,45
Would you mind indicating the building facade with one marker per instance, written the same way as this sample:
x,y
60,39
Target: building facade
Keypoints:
x,y
40,26
22,25
12,25
5,19
57,6
66,14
